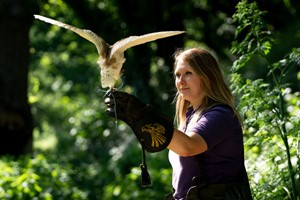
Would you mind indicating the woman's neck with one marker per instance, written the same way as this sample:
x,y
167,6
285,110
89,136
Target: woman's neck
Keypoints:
x,y
196,107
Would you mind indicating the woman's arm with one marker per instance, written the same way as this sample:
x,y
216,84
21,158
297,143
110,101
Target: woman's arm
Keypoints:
x,y
187,144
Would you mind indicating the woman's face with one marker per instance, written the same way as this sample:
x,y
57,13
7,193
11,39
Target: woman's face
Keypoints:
x,y
188,83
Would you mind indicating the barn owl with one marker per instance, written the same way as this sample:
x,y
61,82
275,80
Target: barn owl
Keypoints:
x,y
111,58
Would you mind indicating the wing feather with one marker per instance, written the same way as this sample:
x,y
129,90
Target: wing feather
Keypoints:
x,y
131,41
87,34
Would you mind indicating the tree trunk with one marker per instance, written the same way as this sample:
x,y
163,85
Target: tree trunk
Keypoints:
x,y
16,123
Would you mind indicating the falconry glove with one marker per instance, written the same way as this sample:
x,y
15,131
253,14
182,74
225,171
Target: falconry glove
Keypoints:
x,y
153,129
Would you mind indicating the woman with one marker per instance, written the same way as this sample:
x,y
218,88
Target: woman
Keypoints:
x,y
206,150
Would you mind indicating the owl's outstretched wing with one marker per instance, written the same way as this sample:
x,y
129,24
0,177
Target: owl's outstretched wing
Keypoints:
x,y
100,44
131,41
110,64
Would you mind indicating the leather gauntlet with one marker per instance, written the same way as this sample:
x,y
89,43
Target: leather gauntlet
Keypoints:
x,y
153,129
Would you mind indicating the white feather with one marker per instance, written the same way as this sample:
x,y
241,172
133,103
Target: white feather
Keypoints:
x,y
111,58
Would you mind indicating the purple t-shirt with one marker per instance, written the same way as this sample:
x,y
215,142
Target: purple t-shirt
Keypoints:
x,y
223,162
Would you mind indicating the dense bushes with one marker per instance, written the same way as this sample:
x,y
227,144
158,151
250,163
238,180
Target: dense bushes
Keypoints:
x,y
270,107
37,178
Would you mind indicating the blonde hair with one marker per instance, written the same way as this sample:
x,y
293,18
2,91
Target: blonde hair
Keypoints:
x,y
217,91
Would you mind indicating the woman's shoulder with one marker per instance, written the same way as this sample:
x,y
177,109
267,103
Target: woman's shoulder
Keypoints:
x,y
219,108
220,112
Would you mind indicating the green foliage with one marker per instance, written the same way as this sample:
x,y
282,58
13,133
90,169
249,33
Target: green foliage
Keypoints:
x,y
271,109
129,188
256,40
37,178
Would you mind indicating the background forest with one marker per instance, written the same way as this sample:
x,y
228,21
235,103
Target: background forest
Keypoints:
x,y
58,143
